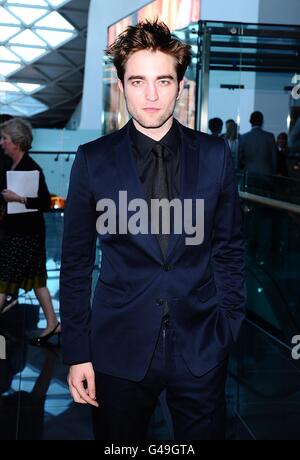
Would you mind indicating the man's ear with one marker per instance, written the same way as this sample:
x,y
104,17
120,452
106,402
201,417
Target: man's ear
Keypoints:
x,y
120,85
180,88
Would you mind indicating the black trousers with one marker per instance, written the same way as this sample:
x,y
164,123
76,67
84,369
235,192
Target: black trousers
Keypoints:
x,y
196,404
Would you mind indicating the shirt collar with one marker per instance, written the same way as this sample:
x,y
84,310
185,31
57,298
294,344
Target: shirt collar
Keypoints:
x,y
144,144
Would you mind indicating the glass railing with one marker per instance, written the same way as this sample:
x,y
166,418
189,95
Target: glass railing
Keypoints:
x,y
272,233
281,188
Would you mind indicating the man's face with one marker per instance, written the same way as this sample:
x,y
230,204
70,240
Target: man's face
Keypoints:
x,y
151,88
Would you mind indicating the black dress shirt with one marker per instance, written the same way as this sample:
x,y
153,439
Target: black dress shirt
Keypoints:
x,y
145,161
144,158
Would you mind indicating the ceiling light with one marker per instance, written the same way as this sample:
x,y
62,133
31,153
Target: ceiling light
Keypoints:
x,y
7,32
29,88
29,106
7,18
53,37
28,2
7,55
54,20
27,37
28,54
8,68
57,3
6,86
28,15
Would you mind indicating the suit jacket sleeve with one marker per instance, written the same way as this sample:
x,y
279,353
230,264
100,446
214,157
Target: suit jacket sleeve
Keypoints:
x,y
228,249
78,257
273,154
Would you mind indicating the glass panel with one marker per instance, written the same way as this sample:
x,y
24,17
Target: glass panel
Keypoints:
x,y
27,15
29,106
29,87
7,18
276,187
29,54
272,233
27,37
28,2
273,270
6,55
9,110
6,86
249,67
268,382
54,38
54,20
7,32
57,3
7,98
6,68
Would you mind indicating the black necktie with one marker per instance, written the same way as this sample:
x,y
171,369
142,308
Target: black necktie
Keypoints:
x,y
160,189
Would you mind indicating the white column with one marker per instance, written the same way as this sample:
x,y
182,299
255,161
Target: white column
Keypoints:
x,y
101,15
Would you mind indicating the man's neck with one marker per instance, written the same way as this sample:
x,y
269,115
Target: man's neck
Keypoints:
x,y
155,133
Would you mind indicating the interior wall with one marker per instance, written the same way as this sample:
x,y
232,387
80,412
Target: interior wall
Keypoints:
x,y
101,15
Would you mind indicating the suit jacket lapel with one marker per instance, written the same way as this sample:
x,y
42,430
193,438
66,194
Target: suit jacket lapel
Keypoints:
x,y
130,182
189,176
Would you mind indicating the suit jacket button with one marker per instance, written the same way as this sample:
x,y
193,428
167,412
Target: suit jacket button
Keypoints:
x,y
167,267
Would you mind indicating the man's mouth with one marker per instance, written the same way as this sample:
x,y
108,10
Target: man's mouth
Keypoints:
x,y
151,109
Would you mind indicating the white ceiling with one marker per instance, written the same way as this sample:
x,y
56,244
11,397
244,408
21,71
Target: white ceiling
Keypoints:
x,y
42,49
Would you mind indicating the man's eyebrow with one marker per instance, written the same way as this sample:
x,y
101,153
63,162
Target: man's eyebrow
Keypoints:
x,y
160,77
136,77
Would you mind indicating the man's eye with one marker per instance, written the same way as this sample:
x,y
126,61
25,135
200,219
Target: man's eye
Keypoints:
x,y
164,82
136,82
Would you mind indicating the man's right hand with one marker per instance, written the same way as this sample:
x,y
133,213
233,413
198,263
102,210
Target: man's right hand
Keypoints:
x,y
78,374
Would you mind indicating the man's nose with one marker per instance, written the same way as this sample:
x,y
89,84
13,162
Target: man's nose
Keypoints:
x,y
151,92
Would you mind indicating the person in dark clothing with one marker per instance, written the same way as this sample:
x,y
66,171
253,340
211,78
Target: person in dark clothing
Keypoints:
x,y
22,252
282,149
5,163
4,166
257,148
164,315
215,125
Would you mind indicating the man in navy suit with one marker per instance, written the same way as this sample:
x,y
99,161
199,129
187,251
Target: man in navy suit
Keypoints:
x,y
167,307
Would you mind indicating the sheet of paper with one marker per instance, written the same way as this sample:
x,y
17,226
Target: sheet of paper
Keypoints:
x,y
24,183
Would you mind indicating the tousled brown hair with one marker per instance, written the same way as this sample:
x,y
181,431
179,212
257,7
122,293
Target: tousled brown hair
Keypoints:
x,y
149,35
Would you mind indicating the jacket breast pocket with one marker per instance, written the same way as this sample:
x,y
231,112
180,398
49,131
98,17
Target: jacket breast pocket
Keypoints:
x,y
206,291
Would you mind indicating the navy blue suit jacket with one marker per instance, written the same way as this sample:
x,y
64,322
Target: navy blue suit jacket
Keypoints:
x,y
204,284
